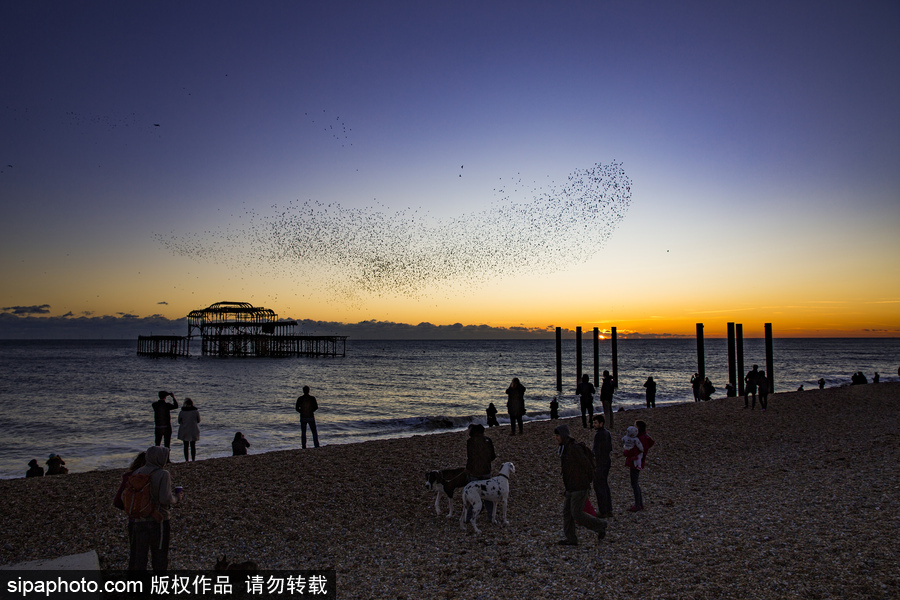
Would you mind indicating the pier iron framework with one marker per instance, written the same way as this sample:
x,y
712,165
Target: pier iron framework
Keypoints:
x,y
239,329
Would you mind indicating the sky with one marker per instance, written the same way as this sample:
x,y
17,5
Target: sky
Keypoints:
x,y
638,164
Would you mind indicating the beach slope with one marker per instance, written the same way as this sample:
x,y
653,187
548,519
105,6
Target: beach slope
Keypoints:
x,y
800,501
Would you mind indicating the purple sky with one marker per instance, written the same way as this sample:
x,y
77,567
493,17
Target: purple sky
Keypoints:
x,y
760,137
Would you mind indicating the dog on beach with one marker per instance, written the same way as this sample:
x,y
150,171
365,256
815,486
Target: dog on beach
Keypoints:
x,y
495,489
222,564
445,484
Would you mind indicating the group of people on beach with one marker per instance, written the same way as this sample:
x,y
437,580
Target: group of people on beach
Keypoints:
x,y
188,427
55,466
582,467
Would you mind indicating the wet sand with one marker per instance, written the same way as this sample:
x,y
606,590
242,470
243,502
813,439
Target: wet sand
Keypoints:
x,y
800,501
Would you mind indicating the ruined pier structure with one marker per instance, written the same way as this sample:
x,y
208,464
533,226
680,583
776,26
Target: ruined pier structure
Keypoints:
x,y
241,329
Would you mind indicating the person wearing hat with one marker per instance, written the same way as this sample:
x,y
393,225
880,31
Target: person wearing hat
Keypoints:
x,y
35,469
577,477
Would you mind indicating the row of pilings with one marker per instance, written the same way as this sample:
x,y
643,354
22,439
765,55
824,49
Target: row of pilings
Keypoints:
x,y
735,357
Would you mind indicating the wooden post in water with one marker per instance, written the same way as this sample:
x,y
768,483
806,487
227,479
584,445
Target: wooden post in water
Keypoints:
x,y
701,354
615,357
559,359
578,354
770,361
731,358
739,333
596,355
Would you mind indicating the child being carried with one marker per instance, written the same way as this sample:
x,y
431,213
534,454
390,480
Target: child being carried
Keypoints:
x,y
631,441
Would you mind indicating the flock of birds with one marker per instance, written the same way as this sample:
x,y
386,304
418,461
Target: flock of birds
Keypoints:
x,y
355,252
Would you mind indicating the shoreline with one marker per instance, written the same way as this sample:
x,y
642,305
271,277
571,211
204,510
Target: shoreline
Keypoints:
x,y
798,501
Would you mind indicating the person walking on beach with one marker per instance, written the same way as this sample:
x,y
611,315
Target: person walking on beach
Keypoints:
x,y
152,534
307,406
479,455
636,461
554,408
163,419
492,416
762,384
750,387
189,428
586,390
708,389
651,392
239,445
577,473
602,448
607,387
515,404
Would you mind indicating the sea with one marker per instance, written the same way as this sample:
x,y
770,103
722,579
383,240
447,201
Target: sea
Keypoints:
x,y
89,401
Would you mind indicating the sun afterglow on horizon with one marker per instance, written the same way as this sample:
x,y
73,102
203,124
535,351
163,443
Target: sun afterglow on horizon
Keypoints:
x,y
544,166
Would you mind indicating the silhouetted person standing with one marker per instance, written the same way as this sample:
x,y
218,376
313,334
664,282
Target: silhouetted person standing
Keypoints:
x,y
651,392
479,455
606,397
750,388
602,448
515,404
696,382
163,419
762,384
307,406
586,390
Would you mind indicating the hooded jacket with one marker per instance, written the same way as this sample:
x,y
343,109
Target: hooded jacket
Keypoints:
x,y
160,480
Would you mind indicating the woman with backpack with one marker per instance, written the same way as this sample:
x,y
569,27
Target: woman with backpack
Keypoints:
x,y
139,461
189,428
148,497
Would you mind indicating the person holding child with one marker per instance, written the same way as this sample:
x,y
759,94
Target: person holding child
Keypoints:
x,y
635,444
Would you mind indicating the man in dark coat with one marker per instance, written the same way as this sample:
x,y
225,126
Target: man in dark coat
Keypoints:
x,y
602,448
577,476
606,397
307,406
586,390
163,419
479,455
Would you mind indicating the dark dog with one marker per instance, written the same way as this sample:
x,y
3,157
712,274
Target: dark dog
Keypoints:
x,y
223,565
445,483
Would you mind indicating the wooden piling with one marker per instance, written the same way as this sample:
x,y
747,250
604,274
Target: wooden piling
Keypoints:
x,y
732,367
615,359
559,359
739,335
701,354
770,359
578,355
596,356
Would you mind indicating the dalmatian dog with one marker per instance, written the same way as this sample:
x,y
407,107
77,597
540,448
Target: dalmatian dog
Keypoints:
x,y
445,483
495,489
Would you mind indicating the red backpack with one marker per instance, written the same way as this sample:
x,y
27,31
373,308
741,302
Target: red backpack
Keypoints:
x,y
137,500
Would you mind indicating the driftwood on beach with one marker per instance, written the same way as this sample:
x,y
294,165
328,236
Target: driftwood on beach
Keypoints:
x,y
800,501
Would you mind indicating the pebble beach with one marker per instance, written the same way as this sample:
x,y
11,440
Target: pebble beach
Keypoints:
x,y
799,501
